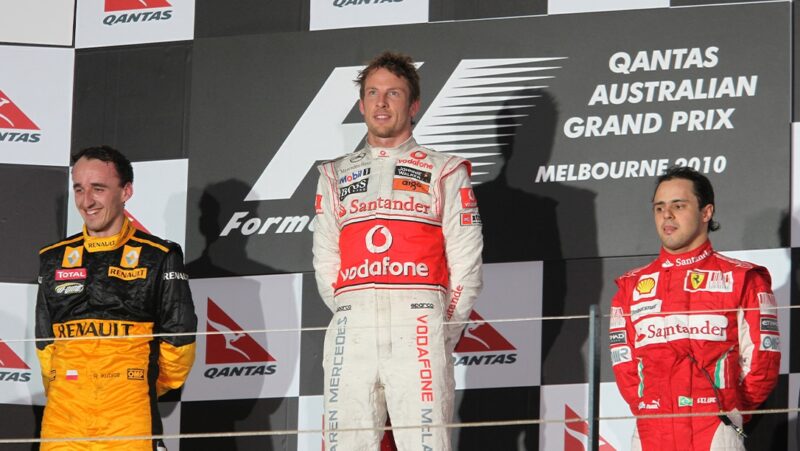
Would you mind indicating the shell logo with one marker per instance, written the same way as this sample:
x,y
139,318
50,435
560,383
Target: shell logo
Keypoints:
x,y
645,286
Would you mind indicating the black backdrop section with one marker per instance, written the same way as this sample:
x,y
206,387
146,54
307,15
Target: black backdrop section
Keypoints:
x,y
236,78
221,18
440,10
134,98
20,422
33,215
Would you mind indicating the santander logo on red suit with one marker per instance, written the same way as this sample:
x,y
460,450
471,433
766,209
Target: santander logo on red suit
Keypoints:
x,y
394,252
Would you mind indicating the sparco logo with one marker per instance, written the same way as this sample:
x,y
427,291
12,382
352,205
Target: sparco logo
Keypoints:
x,y
112,6
11,117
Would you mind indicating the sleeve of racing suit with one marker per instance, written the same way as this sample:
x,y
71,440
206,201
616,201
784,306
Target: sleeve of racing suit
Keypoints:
x,y
463,242
759,350
176,314
326,239
44,329
620,339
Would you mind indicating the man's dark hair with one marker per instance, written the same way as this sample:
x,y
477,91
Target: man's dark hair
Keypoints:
x,y
399,64
701,187
109,155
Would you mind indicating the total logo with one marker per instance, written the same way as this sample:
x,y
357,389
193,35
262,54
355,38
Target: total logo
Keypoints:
x,y
136,11
12,368
576,433
484,344
237,352
15,126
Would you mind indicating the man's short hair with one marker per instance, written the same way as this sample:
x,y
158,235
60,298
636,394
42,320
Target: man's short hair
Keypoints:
x,y
109,155
701,187
399,64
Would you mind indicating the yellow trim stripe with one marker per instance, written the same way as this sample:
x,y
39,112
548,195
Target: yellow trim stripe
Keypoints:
x,y
156,245
60,243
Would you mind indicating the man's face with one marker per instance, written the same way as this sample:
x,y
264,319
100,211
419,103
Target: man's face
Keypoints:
x,y
681,224
387,108
99,197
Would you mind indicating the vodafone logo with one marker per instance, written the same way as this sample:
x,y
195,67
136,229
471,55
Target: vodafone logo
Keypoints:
x,y
127,5
11,117
371,242
418,154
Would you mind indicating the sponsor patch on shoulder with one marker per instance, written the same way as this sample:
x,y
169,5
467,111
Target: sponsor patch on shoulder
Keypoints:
x,y
767,304
769,325
470,219
619,337
468,199
770,343
621,354
318,204
617,318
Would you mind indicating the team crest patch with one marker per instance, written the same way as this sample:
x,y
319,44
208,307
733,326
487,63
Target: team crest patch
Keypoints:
x,y
73,257
130,256
711,281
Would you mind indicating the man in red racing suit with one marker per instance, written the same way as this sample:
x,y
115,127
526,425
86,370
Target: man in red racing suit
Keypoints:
x,y
397,253
693,331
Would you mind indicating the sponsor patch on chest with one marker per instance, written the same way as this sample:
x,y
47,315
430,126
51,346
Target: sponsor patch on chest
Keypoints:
x,y
710,281
646,286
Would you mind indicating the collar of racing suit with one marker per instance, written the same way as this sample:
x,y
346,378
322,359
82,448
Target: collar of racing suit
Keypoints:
x,y
107,243
378,152
688,259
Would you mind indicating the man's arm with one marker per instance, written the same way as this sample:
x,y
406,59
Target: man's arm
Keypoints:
x,y
176,315
463,240
44,329
326,239
620,338
759,351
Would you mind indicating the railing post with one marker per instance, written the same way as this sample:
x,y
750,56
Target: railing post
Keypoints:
x,y
594,378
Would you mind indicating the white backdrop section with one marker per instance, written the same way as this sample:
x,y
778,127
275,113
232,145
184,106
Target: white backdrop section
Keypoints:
x,y
510,290
158,202
310,411
99,23
779,263
37,85
327,14
37,21
795,228
584,6
560,402
247,304
19,385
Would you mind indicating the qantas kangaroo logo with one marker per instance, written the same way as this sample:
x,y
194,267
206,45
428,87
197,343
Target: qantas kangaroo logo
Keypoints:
x,y
448,125
8,359
576,433
11,117
480,337
233,345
